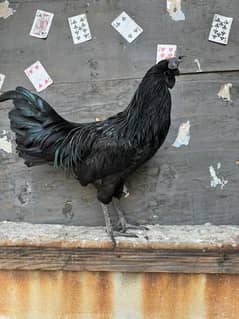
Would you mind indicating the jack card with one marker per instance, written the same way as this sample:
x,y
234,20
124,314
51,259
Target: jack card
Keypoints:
x,y
41,24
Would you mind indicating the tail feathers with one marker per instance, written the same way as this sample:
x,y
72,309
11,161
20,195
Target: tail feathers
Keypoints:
x,y
36,124
10,95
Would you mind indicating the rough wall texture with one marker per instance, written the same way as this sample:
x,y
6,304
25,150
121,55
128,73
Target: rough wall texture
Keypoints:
x,y
174,188
98,79
104,295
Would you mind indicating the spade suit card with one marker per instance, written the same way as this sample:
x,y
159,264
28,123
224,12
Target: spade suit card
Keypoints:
x,y
41,24
37,74
80,29
220,29
127,27
165,51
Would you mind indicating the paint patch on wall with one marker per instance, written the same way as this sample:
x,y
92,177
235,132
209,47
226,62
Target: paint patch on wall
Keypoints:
x,y
224,92
125,191
5,11
2,79
67,209
216,178
174,10
183,137
24,194
198,65
5,142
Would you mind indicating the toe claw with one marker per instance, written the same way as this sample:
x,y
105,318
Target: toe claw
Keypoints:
x,y
121,234
112,237
136,227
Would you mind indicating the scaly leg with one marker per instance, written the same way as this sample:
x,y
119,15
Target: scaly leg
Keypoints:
x,y
109,228
124,225
108,225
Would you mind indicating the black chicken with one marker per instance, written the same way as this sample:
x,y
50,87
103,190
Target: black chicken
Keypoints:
x,y
104,153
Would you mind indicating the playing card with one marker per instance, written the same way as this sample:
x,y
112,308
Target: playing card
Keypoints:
x,y
127,27
41,24
2,78
220,29
38,76
165,51
80,29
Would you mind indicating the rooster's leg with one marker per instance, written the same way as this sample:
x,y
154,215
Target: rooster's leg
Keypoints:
x,y
109,227
124,225
108,224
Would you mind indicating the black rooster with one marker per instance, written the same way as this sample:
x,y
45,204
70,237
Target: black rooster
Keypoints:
x,y
104,153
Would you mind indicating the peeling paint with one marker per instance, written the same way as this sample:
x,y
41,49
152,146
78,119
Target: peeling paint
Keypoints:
x,y
174,10
198,65
224,92
5,143
215,179
237,162
2,79
24,194
67,209
5,11
183,137
125,191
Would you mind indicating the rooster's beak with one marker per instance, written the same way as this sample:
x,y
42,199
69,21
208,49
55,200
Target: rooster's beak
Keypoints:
x,y
174,63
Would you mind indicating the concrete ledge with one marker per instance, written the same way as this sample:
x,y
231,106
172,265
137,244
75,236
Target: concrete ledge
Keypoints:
x,y
188,249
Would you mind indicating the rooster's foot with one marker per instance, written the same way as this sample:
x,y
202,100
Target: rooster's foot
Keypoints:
x,y
123,226
112,234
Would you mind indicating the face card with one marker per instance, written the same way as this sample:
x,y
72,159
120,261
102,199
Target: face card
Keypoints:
x,y
165,51
127,27
220,29
38,76
41,24
2,78
80,29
